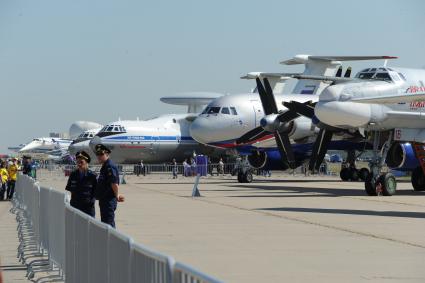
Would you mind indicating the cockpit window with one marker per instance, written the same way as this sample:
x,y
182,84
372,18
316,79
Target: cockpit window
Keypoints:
x,y
225,110
382,76
205,110
213,110
111,130
365,75
374,74
233,109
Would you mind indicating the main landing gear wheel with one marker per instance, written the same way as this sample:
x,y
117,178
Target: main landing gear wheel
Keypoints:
x,y
352,174
245,177
344,174
363,173
370,185
418,179
388,183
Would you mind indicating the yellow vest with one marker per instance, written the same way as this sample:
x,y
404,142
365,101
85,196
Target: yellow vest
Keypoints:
x,y
4,175
12,170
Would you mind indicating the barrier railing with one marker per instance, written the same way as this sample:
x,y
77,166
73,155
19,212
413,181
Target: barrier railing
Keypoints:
x,y
82,248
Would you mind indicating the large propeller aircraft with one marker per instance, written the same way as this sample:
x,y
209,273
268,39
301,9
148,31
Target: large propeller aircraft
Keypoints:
x,y
385,105
268,132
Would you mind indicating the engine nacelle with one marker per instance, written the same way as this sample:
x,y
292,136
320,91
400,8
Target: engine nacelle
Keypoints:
x,y
257,159
301,128
401,156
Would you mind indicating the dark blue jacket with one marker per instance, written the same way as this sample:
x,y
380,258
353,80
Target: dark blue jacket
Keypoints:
x,y
108,175
82,187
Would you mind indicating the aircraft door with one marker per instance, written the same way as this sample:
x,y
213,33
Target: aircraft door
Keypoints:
x,y
258,112
154,146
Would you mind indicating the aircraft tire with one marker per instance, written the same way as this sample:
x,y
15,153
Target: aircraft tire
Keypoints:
x,y
418,180
354,174
344,174
248,177
363,173
240,177
389,184
369,185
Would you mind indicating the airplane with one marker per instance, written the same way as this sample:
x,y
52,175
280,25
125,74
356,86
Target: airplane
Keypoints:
x,y
82,143
158,139
45,146
16,148
260,127
385,104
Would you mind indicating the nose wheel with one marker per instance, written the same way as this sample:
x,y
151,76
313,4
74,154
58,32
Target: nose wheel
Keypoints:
x,y
378,183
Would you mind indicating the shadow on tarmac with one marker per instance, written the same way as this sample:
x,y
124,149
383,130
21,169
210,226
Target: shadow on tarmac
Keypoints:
x,y
405,214
283,191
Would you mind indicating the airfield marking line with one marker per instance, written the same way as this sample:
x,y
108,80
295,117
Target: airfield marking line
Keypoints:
x,y
296,219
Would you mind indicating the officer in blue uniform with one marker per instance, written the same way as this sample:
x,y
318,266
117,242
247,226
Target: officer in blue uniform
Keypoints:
x,y
107,186
82,184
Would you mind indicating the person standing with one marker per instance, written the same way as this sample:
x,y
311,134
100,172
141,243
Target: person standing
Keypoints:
x,y
185,168
193,167
174,168
12,170
107,186
82,183
221,167
4,176
142,168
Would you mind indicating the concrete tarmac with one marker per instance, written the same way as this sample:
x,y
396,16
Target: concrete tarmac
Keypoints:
x,y
279,229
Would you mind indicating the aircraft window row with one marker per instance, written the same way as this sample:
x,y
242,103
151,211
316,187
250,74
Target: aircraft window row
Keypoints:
x,y
224,110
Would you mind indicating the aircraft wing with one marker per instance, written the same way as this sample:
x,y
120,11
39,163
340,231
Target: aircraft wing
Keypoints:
x,y
300,59
391,99
323,78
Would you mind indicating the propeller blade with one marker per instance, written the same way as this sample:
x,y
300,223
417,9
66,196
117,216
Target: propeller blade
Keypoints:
x,y
320,148
288,116
305,109
347,73
252,135
270,95
339,72
268,102
285,149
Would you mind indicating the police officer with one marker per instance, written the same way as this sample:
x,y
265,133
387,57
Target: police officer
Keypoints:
x,y
107,186
82,183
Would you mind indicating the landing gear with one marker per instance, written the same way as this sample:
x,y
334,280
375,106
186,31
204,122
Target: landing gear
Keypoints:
x,y
245,172
363,173
377,183
349,172
418,179
353,174
245,177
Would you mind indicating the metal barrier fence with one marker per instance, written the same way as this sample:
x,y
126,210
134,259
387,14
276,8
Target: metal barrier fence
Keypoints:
x,y
82,248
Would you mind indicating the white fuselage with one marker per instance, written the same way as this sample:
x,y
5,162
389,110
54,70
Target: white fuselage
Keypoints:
x,y
337,106
154,141
217,128
45,145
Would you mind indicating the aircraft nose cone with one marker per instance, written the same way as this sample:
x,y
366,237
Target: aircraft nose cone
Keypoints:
x,y
199,130
94,141
72,150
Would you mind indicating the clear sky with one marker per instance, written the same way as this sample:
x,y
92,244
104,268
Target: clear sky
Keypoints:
x,y
98,60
